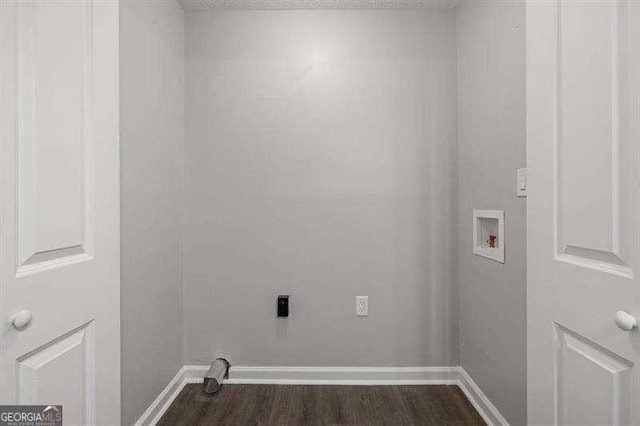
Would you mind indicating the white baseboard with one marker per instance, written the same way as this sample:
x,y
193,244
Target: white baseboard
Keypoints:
x,y
479,400
195,373
343,375
363,376
164,400
187,374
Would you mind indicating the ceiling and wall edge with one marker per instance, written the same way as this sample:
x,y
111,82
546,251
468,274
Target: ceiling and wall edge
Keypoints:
x,y
316,4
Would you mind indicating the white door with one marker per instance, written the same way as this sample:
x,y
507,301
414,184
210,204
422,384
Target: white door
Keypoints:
x,y
59,243
583,102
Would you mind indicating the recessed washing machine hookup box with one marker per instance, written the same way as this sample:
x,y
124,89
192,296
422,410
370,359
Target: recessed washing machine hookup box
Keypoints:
x,y
488,234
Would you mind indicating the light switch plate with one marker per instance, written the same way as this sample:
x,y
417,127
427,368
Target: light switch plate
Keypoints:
x,y
522,181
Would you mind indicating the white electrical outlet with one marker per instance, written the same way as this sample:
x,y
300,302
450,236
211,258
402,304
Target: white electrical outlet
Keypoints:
x,y
362,306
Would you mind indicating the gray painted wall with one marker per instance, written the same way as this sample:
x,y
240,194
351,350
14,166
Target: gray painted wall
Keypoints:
x,y
152,135
321,163
492,145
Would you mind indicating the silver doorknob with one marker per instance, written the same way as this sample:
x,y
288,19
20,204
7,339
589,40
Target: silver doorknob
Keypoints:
x,y
625,321
21,319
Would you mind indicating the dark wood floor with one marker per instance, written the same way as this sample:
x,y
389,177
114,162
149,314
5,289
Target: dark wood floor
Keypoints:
x,y
322,405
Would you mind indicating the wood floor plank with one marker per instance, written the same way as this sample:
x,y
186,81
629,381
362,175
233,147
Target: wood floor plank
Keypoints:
x,y
322,405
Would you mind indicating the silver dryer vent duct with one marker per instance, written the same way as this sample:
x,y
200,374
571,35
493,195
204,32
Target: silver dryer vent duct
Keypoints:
x,y
218,371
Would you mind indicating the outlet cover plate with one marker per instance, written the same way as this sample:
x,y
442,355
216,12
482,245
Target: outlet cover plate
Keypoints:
x,y
362,306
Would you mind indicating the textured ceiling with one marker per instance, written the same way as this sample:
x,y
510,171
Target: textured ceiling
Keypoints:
x,y
317,4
